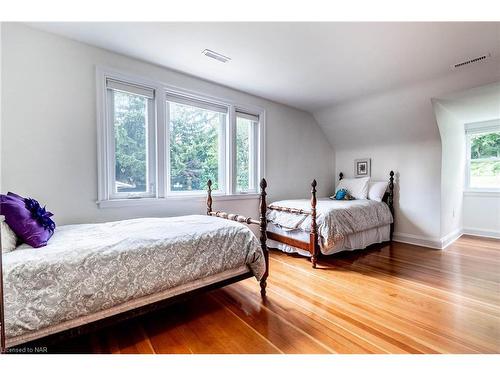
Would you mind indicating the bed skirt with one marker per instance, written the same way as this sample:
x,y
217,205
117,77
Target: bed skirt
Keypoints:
x,y
354,241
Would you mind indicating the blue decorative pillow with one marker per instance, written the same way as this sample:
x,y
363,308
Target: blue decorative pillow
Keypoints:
x,y
341,195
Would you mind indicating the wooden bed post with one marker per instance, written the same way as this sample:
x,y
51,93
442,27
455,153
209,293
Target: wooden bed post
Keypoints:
x,y
313,237
2,311
263,235
209,197
390,201
262,223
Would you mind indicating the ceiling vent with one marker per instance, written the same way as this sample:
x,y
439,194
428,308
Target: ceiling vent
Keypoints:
x,y
215,55
481,58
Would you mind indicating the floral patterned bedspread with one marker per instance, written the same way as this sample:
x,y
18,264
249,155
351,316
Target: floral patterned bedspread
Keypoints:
x,y
334,218
91,267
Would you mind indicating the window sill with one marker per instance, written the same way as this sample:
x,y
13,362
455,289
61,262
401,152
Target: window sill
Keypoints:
x,y
114,203
482,193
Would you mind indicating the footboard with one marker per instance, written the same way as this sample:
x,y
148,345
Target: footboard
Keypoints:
x,y
262,223
313,245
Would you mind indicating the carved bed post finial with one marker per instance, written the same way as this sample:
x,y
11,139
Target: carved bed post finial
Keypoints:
x,y
313,240
263,235
209,197
341,176
390,200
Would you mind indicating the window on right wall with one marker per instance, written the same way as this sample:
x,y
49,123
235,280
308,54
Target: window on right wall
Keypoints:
x,y
483,155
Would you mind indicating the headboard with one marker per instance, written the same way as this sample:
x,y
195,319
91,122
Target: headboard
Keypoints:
x,y
388,196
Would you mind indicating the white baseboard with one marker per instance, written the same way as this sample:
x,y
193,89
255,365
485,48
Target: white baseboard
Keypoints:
x,y
433,243
442,243
451,237
481,232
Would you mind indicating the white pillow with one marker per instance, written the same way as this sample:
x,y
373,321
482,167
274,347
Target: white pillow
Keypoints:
x,y
357,187
9,238
376,190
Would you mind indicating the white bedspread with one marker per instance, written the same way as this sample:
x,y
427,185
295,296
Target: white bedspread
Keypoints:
x,y
335,219
92,267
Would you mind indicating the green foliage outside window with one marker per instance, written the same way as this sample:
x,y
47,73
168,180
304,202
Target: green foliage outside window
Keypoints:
x,y
130,142
194,146
243,127
485,160
485,146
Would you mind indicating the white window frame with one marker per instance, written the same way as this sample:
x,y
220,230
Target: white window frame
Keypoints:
x,y
223,152
471,129
150,145
253,148
161,154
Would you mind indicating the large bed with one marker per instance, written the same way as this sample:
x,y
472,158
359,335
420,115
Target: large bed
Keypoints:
x,y
101,273
324,226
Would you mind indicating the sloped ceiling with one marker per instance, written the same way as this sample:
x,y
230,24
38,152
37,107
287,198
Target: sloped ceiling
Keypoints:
x,y
305,65
474,105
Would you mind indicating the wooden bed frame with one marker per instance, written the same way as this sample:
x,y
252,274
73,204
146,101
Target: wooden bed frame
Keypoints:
x,y
111,320
313,245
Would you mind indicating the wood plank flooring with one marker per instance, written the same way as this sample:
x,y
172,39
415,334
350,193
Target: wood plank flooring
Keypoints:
x,y
395,298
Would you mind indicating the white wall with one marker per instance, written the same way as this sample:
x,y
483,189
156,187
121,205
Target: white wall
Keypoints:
x,y
49,130
452,169
482,214
480,210
397,130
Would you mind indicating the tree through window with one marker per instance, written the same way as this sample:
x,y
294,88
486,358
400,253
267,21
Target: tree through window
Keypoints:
x,y
484,159
195,147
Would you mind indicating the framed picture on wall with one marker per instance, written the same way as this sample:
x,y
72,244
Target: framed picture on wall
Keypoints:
x,y
362,167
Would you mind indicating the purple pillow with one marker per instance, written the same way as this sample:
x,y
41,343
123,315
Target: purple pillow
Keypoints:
x,y
11,194
27,219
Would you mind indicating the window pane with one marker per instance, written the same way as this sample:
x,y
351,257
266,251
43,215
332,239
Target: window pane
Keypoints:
x,y
485,162
485,173
245,154
130,126
194,147
484,146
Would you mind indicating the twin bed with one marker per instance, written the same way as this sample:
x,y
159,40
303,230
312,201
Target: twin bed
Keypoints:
x,y
94,275
325,226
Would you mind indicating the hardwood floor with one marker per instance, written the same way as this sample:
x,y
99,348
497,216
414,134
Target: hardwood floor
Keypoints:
x,y
395,298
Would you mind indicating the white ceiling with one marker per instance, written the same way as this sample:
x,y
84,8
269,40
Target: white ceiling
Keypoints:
x,y
475,105
304,65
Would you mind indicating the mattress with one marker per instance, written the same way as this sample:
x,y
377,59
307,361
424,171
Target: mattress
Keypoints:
x,y
96,270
